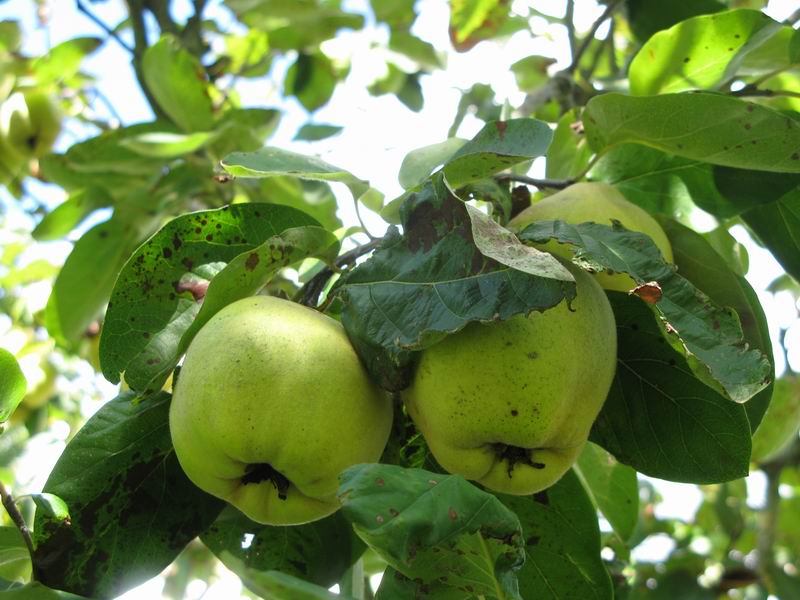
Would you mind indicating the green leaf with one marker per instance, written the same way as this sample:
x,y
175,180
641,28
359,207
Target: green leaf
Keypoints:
x,y
274,585
421,52
612,488
12,385
70,213
562,544
707,270
742,189
303,551
269,162
84,283
531,72
418,164
711,128
314,198
777,225
158,290
63,61
781,421
431,281
396,586
312,132
51,506
711,333
568,154
646,17
427,524
167,144
472,21
15,560
36,591
499,145
178,83
700,53
311,79
244,130
660,182
658,417
132,508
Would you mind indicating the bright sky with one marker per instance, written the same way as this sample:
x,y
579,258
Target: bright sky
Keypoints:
x,y
378,133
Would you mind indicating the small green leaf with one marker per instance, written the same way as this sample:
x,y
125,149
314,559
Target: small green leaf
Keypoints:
x,y
711,128
472,21
132,508
531,72
313,132
12,385
70,213
700,53
158,290
418,164
15,560
178,82
612,487
711,333
51,506
311,79
270,162
64,60
569,154
658,417
425,524
499,145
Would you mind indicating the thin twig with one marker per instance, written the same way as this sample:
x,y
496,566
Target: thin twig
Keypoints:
x,y
310,292
361,221
16,517
748,92
576,57
769,521
557,184
97,21
569,23
136,13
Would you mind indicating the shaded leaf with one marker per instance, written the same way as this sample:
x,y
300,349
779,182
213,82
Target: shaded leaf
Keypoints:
x,y
711,333
418,164
427,524
562,544
15,560
312,132
177,80
167,144
647,17
568,154
132,508
37,591
156,296
311,79
274,585
658,417
708,127
70,213
777,225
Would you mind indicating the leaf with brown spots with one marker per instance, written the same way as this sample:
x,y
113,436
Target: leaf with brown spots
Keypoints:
x,y
132,509
712,333
433,524
156,295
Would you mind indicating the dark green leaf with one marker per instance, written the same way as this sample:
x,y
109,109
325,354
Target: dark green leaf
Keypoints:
x,y
36,591
708,127
157,294
742,189
312,132
12,385
777,225
659,418
562,544
699,263
396,586
84,283
612,488
132,508
499,145
311,79
178,82
711,333
244,129
700,53
410,93
426,525
314,198
304,551
569,154
432,281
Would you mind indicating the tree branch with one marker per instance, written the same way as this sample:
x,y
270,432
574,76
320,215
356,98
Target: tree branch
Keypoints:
x,y
309,293
569,23
753,92
16,517
96,20
557,184
136,13
578,54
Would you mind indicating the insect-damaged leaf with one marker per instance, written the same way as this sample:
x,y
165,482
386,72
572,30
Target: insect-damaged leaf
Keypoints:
x,y
712,333
157,294
431,281
427,524
132,509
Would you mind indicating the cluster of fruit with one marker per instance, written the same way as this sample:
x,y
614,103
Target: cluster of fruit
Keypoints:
x,y
273,403
30,121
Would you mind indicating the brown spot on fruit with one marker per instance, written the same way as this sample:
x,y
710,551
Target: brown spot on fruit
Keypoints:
x,y
252,261
514,412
